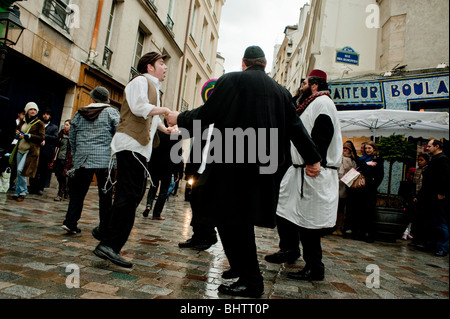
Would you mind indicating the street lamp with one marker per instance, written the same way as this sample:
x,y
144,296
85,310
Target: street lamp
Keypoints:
x,y
10,31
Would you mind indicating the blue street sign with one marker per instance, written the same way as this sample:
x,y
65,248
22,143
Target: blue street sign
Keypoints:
x,y
348,56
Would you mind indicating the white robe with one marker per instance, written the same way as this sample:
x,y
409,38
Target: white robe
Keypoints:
x,y
318,207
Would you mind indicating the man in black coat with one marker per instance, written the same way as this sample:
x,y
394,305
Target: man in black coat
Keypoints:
x,y
47,152
434,195
239,188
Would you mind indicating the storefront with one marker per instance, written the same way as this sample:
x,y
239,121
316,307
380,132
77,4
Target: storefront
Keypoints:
x,y
413,92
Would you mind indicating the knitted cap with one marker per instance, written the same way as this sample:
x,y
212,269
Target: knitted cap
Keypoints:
x,y
254,52
100,95
31,105
318,73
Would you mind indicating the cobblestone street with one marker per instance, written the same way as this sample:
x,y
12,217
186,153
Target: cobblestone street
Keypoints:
x,y
38,260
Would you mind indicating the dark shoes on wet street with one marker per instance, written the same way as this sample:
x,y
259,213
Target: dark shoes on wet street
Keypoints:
x,y
107,253
306,274
242,290
283,256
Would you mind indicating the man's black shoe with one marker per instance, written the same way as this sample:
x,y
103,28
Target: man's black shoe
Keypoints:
x,y
146,211
283,256
242,290
96,233
108,253
188,243
306,274
204,245
230,274
197,244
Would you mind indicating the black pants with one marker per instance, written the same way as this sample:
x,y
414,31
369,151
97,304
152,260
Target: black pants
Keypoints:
x,y
161,181
201,231
239,244
79,186
130,188
289,234
290,237
38,182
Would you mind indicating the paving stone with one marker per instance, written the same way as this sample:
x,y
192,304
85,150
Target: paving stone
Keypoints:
x,y
35,251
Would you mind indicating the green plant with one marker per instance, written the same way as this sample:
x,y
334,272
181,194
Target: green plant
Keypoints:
x,y
395,148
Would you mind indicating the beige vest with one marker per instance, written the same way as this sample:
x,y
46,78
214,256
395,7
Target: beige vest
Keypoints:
x,y
138,127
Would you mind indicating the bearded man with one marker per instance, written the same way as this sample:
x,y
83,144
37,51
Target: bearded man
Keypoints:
x,y
307,207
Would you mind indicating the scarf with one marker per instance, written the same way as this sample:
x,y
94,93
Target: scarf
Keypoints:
x,y
309,100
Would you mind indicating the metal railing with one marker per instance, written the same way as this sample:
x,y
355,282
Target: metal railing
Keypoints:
x,y
133,72
107,56
184,106
58,12
169,22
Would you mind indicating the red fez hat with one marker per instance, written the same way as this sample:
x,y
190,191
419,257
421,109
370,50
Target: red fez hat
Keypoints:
x,y
319,73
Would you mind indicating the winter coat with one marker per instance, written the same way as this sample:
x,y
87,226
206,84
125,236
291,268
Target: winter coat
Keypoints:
x,y
247,192
37,135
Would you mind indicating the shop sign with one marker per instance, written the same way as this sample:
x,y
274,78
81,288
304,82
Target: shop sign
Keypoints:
x,y
392,93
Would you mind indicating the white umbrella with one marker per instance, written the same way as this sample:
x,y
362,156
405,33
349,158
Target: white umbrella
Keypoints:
x,y
384,122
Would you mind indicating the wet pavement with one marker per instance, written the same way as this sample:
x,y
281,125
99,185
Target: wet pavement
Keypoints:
x,y
38,260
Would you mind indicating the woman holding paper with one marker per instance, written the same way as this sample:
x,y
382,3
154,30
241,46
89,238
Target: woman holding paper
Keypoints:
x,y
343,208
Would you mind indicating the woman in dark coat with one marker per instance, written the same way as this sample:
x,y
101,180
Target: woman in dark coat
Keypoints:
x,y
371,165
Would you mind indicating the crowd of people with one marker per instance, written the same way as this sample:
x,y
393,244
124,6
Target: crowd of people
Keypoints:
x,y
305,199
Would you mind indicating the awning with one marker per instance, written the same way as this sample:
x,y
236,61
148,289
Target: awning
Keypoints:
x,y
384,122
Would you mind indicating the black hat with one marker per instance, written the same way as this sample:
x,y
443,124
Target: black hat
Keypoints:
x,y
254,52
100,94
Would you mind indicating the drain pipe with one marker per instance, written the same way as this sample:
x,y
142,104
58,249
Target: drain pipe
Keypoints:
x,y
92,52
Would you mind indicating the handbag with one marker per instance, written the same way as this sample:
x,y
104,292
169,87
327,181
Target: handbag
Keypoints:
x,y
4,180
359,182
51,165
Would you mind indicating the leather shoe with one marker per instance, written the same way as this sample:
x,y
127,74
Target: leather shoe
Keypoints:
x,y
241,289
96,233
283,256
188,243
230,274
306,274
146,211
158,218
204,245
440,253
107,253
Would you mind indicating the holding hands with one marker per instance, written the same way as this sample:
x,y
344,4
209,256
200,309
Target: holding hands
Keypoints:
x,y
172,118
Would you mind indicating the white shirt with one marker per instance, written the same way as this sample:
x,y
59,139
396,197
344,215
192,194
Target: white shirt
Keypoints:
x,y
137,97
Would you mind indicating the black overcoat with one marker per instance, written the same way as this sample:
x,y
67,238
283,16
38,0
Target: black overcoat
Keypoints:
x,y
238,192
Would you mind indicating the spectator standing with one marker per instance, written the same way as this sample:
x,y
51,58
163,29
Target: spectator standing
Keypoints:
x,y
161,169
371,166
30,134
421,221
63,162
92,129
38,183
347,164
434,194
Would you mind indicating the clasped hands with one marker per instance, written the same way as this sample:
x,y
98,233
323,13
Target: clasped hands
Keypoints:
x,y
312,170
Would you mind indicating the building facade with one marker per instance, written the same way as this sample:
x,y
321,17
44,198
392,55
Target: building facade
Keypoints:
x,y
69,47
391,54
